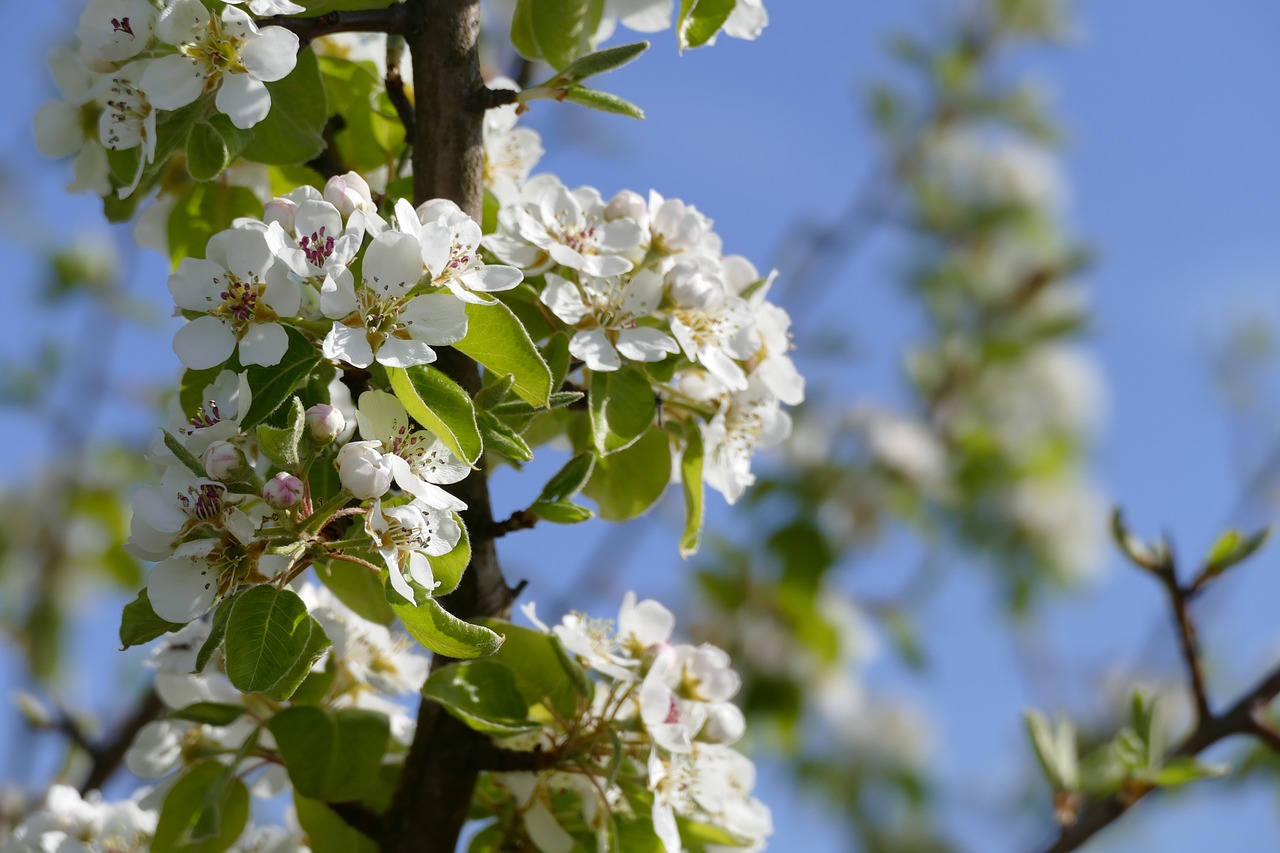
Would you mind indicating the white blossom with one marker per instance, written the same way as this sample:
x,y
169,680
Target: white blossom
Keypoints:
x,y
607,314
404,536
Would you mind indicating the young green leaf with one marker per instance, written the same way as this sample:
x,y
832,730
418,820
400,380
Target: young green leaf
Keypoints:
x,y
207,152
561,512
604,102
622,407
217,632
441,405
1055,748
293,132
692,485
627,483
543,673
483,694
331,755
443,633
281,444
139,623
272,386
209,713
1231,548
559,28
502,439
205,797
700,20
569,480
360,589
268,633
497,339
595,63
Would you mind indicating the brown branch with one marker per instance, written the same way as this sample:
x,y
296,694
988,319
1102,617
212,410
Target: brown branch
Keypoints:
x,y
1188,641
360,817
521,519
391,20
434,793
399,99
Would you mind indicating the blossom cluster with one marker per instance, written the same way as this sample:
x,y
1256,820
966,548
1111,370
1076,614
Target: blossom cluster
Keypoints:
x,y
645,280
666,707
225,515
138,59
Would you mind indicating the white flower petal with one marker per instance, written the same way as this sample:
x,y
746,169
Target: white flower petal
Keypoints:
x,y
264,344
272,55
172,81
244,99
204,342
646,344
594,348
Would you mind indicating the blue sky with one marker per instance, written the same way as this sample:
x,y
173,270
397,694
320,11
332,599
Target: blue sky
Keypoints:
x,y
1174,182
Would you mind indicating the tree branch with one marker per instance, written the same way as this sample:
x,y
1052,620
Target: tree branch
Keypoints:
x,y
434,793
1188,642
391,20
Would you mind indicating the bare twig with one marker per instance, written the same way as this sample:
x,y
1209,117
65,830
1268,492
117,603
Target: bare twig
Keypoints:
x,y
1188,641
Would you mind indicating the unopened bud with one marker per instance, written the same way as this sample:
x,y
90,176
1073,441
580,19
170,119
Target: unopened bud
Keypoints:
x,y
627,205
325,422
280,210
348,193
283,491
725,724
222,461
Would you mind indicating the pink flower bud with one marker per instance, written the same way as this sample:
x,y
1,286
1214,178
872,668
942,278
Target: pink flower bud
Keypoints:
x,y
325,422
280,210
283,491
363,469
348,193
222,461
725,724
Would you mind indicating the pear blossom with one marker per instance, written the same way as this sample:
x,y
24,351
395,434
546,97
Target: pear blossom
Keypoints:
x,y
607,312
225,402
419,462
366,652
404,536
112,32
714,327
450,242
364,469
559,226
325,422
510,152
242,293
746,421
222,461
283,490
59,129
129,121
676,227
68,823
316,241
227,54
262,8
164,514
382,319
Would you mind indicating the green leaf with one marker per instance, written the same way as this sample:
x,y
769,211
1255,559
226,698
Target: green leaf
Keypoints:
x,y
280,444
367,137
293,132
519,408
483,694
327,832
497,339
207,153
1055,748
604,102
691,482
202,211
622,408
139,623
206,797
544,673
1183,769
495,391
186,457
596,63
1149,557
271,386
268,633
447,569
445,634
441,405
360,589
561,512
559,28
209,713
217,633
1232,548
557,356
502,439
700,20
331,755
300,672
627,483
569,480
522,30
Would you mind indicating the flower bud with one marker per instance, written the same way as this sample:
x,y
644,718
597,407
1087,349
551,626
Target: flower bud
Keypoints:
x,y
222,461
348,193
725,724
280,210
363,470
627,205
325,422
283,491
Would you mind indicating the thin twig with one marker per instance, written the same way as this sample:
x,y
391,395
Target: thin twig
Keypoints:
x,y
521,519
1188,642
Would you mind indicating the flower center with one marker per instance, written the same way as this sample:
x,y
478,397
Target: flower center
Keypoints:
x,y
206,416
240,299
203,502
317,247
121,25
